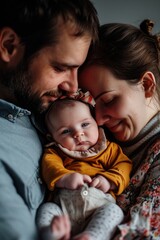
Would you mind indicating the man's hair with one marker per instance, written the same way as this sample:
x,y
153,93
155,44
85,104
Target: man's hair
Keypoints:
x,y
35,21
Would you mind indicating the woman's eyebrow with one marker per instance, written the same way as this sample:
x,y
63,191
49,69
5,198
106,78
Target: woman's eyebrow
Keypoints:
x,y
99,95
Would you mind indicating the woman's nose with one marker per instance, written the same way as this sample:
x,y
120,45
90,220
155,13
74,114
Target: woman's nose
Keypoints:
x,y
102,118
99,118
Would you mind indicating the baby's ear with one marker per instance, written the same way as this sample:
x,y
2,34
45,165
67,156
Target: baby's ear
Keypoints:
x,y
50,140
49,137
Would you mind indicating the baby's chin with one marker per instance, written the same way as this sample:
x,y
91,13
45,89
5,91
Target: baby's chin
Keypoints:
x,y
82,147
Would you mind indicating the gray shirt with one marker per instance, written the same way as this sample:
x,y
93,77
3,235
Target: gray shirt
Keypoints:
x,y
21,188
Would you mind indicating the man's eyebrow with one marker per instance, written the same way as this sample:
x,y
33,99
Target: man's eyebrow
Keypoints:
x,y
65,65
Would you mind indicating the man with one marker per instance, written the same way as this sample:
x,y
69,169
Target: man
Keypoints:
x,y
42,45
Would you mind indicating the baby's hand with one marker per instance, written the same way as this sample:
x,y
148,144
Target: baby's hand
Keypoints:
x,y
101,183
73,181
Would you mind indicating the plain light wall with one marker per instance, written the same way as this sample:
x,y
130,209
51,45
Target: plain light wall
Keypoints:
x,y
129,11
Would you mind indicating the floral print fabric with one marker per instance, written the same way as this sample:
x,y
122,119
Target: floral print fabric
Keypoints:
x,y
141,200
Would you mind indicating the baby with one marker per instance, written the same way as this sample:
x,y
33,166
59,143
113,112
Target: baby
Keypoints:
x,y
86,172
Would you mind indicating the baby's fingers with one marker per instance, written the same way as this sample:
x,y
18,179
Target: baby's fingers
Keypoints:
x,y
95,182
87,179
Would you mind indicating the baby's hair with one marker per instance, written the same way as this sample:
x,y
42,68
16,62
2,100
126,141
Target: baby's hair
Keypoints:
x,y
61,103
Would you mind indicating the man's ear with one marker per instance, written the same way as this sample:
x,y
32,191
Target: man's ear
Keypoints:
x,y
9,41
149,84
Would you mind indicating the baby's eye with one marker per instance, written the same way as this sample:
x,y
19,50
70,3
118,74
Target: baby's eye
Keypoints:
x,y
66,131
85,124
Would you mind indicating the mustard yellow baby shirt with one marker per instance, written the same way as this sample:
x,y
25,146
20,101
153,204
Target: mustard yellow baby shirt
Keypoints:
x,y
105,158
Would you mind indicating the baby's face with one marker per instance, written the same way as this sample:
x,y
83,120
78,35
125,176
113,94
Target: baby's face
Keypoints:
x,y
74,127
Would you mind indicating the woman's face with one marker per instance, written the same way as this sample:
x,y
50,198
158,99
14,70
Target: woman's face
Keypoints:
x,y
120,106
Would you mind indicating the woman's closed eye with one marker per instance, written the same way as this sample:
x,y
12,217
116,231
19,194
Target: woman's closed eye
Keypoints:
x,y
108,101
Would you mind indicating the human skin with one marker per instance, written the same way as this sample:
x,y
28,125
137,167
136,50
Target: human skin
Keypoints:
x,y
76,133
61,227
122,107
75,129
73,126
41,80
125,84
50,72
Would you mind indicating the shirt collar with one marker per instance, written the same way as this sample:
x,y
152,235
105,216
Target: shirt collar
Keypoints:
x,y
11,112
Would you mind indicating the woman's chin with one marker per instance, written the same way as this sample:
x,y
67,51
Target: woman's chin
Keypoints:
x,y
121,137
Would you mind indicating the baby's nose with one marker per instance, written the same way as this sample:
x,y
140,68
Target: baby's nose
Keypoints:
x,y
78,136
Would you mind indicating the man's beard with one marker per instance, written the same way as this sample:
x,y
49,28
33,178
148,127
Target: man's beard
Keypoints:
x,y
19,83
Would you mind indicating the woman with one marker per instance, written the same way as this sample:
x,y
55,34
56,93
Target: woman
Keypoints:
x,y
123,74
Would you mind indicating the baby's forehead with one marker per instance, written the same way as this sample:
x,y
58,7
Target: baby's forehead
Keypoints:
x,y
62,104
68,112
66,107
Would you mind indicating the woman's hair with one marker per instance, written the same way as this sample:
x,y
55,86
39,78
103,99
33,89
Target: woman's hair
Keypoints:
x,y
146,26
36,21
127,52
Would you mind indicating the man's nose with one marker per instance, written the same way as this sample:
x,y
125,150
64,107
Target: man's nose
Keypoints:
x,y
70,84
